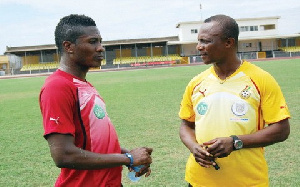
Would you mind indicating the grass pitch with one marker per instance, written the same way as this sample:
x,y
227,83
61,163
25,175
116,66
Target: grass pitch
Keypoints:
x,y
143,105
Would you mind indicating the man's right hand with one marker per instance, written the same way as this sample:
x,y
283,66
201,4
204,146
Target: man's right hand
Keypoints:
x,y
141,156
202,156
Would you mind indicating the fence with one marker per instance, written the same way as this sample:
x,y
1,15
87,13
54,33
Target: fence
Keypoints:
x,y
254,55
270,54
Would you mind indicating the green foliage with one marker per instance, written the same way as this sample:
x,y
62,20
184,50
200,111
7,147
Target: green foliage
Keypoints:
x,y
143,105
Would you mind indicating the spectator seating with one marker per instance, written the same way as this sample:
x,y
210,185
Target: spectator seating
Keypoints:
x,y
44,66
147,59
290,49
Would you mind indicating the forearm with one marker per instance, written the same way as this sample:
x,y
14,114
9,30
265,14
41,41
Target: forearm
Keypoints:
x,y
274,133
66,155
76,158
124,150
187,134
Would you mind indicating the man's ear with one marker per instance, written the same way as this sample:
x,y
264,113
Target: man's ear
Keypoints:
x,y
230,42
68,48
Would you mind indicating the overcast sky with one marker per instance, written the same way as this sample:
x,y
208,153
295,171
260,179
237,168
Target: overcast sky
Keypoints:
x,y
32,22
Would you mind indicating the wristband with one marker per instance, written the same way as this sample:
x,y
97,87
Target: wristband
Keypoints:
x,y
131,159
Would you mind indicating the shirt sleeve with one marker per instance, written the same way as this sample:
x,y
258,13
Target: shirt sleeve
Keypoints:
x,y
186,111
274,106
58,104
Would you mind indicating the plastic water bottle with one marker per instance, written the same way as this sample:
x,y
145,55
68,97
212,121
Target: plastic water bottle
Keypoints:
x,y
131,175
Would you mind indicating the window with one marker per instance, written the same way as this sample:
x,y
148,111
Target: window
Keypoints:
x,y
244,28
253,28
194,31
248,28
247,44
268,27
288,42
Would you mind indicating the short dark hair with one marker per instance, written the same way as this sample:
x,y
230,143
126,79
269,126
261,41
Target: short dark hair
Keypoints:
x,y
70,27
230,28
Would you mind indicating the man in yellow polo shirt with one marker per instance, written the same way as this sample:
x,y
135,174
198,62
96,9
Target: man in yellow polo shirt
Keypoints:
x,y
229,113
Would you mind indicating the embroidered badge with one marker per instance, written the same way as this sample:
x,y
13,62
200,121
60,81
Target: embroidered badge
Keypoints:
x,y
239,108
99,112
245,93
202,108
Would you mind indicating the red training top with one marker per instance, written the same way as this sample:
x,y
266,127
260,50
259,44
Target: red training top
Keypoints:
x,y
72,106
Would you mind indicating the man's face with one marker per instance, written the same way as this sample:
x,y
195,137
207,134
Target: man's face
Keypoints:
x,y
210,44
88,50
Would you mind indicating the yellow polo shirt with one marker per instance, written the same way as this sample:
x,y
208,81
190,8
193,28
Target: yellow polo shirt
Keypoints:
x,y
241,104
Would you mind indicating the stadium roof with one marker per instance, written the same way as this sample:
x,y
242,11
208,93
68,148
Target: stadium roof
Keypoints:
x,y
268,37
141,40
30,48
105,43
240,19
242,38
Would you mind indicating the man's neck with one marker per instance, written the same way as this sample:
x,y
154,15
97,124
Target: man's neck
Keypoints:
x,y
77,71
224,70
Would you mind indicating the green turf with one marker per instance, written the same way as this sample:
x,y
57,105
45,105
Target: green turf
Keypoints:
x,y
143,105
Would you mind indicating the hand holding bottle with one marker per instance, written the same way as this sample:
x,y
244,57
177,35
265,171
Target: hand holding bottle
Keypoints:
x,y
140,160
132,175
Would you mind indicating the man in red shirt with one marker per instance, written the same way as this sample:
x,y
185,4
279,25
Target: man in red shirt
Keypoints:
x,y
83,142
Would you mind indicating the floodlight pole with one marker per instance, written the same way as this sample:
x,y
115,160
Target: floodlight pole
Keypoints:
x,y
200,12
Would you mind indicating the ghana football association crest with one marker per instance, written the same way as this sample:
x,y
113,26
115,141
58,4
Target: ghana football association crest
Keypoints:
x,y
245,93
99,111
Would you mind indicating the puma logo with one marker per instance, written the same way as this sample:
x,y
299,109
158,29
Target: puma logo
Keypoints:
x,y
202,92
53,119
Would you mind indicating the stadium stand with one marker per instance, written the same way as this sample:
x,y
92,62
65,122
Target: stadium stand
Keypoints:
x,y
290,49
148,60
46,66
